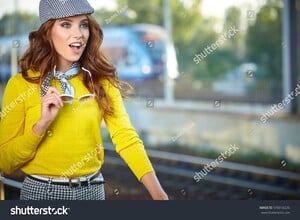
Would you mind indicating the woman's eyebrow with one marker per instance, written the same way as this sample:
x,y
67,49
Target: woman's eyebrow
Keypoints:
x,y
70,20
65,19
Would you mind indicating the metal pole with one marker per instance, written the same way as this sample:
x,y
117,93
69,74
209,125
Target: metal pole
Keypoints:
x,y
2,192
168,82
288,53
14,44
12,183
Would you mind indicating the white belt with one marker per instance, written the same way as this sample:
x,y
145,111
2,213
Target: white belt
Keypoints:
x,y
67,180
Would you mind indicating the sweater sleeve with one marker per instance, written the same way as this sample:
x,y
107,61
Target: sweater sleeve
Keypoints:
x,y
126,140
17,146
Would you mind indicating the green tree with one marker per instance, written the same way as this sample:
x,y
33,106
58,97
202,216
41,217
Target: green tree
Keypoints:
x,y
145,12
233,19
18,23
264,40
191,32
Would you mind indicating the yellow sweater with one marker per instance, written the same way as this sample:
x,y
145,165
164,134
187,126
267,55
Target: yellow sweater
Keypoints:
x,y
72,145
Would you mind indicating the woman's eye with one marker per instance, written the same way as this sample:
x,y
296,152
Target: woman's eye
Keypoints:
x,y
66,25
84,25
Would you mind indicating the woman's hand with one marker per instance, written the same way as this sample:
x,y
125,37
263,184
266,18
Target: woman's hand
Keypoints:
x,y
51,103
153,186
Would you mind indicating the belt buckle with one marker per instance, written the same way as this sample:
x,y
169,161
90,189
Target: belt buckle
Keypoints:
x,y
77,183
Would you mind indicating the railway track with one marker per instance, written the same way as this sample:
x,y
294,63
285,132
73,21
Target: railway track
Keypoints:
x,y
228,180
176,173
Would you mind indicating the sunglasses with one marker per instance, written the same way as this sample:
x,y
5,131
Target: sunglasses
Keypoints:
x,y
66,98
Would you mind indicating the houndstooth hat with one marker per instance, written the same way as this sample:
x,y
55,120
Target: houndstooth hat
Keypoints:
x,y
54,9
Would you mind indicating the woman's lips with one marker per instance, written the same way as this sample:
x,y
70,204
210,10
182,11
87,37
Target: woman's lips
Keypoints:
x,y
77,47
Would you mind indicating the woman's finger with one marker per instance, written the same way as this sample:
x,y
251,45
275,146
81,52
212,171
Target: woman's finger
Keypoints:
x,y
52,101
52,90
53,94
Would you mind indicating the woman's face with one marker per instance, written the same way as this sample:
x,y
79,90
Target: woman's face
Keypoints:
x,y
69,37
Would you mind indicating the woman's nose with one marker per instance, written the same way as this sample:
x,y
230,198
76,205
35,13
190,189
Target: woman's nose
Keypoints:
x,y
77,32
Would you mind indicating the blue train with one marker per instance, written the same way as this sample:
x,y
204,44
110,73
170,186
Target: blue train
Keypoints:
x,y
140,51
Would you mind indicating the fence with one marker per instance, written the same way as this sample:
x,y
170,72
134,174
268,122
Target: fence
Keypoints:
x,y
9,182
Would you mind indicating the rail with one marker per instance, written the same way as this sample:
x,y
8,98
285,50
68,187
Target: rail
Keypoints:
x,y
178,166
181,168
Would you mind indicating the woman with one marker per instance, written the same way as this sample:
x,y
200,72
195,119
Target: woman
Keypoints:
x,y
53,110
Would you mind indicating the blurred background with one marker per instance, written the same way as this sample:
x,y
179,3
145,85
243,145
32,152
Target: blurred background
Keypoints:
x,y
208,75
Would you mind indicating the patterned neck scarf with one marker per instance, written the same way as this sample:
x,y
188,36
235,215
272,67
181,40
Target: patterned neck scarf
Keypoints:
x,y
66,87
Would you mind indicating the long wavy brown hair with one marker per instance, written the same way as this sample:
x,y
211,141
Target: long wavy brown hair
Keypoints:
x,y
41,57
